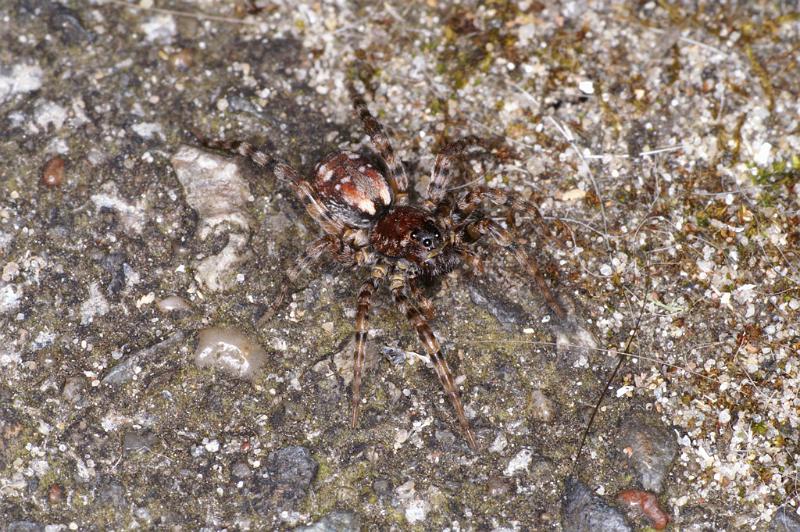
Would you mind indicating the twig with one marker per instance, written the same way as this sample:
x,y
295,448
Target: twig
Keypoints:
x,y
198,16
620,360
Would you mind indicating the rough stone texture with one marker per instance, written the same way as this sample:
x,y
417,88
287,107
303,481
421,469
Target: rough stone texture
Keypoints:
x,y
648,448
283,482
584,511
506,311
786,520
658,140
213,187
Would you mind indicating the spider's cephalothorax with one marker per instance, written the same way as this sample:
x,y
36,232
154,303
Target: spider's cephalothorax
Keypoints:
x,y
369,222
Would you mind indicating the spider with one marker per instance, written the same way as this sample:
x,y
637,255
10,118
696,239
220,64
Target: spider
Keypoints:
x,y
371,221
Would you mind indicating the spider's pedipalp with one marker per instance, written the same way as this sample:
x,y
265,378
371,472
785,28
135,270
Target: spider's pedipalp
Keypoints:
x,y
397,177
431,345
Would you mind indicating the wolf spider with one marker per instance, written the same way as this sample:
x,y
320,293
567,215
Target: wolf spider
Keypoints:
x,y
370,220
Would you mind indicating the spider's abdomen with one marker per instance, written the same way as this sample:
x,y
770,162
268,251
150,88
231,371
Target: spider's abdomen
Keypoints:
x,y
354,190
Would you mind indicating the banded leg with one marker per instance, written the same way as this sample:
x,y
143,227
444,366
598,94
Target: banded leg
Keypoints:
x,y
397,177
441,175
283,173
471,259
505,240
311,256
434,352
425,304
362,318
316,209
470,201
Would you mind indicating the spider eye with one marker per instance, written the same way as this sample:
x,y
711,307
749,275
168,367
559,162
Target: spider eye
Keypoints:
x,y
427,243
414,234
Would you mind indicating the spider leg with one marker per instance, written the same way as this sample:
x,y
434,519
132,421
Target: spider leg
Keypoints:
x,y
470,201
316,209
284,173
311,256
504,239
424,303
362,318
472,259
398,285
442,168
398,179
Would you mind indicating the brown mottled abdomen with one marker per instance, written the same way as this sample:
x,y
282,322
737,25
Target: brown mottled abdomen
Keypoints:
x,y
352,188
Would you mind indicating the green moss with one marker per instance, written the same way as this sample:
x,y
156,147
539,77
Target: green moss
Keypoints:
x,y
779,173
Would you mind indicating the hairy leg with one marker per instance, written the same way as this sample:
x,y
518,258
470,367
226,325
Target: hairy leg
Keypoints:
x,y
442,172
362,318
473,199
283,173
398,179
424,303
471,259
311,256
399,285
504,239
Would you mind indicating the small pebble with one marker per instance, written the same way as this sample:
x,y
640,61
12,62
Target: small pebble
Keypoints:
x,y
135,441
786,519
10,271
229,351
499,444
541,407
584,511
382,488
182,60
586,87
55,493
73,389
173,304
497,486
53,172
649,449
283,480
241,470
519,462
334,522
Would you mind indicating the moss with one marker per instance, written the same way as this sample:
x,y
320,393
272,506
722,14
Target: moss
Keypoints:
x,y
763,77
760,428
779,173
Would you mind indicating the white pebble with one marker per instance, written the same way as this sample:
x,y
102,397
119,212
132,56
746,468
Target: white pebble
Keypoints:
x,y
586,87
230,351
